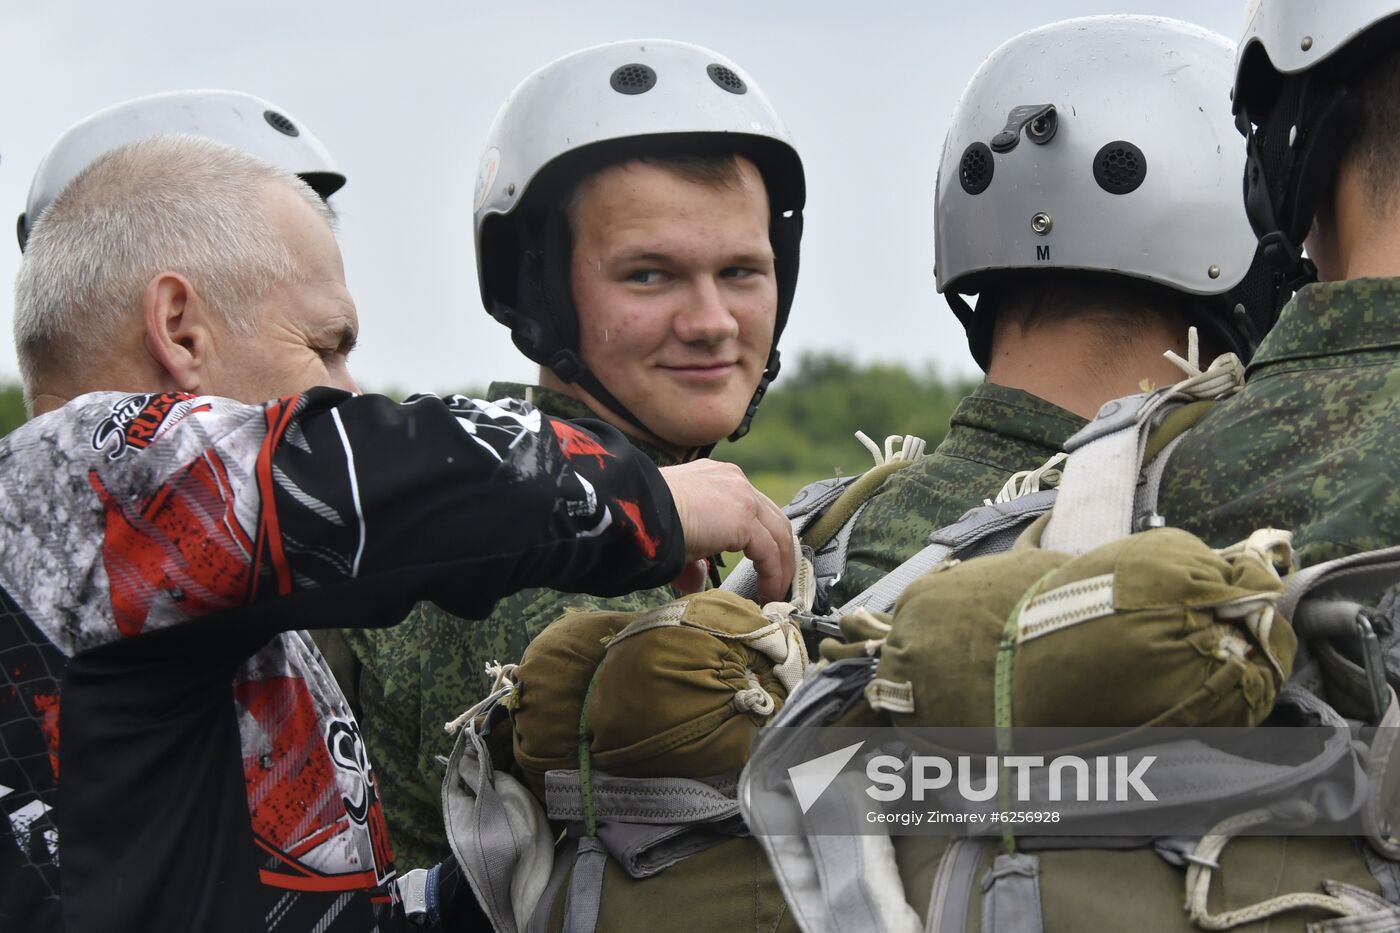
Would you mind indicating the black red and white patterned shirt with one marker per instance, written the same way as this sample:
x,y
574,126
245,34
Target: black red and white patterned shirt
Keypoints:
x,y
160,555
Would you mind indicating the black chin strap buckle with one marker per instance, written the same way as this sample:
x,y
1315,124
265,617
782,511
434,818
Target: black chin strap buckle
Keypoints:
x,y
770,372
566,365
1279,251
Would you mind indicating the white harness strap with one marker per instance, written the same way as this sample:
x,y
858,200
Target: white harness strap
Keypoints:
x,y
1099,487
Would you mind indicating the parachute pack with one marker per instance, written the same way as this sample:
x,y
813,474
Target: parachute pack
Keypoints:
x,y
630,731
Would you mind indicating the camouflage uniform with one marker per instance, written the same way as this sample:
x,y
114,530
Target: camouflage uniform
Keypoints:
x,y
994,432
1311,442
425,671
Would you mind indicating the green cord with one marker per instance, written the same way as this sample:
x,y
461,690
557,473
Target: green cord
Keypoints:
x,y
1006,655
585,763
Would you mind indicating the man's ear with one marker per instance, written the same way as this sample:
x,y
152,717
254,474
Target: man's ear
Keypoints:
x,y
176,330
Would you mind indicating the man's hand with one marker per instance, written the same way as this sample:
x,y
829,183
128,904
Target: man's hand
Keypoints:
x,y
721,511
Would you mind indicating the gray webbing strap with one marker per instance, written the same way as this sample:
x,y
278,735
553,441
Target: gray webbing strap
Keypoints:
x,y
1011,895
830,562
585,894
743,580
539,920
860,887
1357,575
1188,774
1386,873
820,698
1322,603
654,801
1150,491
963,535
488,851
951,898
1098,484
1385,783
882,594
846,884
644,850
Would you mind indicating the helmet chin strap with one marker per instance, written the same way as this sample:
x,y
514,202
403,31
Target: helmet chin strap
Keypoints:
x,y
1292,163
567,365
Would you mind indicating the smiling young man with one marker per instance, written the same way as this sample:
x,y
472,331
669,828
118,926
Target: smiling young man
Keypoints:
x,y
638,214
673,277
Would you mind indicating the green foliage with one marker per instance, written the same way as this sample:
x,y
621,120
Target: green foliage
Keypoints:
x,y
804,430
807,423
11,407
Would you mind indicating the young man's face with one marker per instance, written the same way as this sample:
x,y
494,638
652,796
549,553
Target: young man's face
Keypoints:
x,y
676,296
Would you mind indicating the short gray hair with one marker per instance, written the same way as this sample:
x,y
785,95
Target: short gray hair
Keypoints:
x,y
179,204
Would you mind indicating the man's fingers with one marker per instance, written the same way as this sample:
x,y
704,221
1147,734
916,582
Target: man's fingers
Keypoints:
x,y
775,527
771,536
720,511
767,556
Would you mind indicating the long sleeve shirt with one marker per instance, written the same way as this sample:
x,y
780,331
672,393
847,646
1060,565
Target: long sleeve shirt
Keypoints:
x,y
159,555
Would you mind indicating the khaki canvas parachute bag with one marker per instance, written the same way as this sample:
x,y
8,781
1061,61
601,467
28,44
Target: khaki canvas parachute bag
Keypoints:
x,y
626,732
1096,614
1175,633
670,701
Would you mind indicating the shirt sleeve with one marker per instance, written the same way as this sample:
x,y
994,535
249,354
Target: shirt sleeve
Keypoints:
x,y
367,486
327,509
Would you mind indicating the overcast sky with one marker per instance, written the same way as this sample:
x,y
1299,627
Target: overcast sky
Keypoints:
x,y
403,93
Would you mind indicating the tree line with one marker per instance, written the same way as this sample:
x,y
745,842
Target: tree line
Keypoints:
x,y
807,421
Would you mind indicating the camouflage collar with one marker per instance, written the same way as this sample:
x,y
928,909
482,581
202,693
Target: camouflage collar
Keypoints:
x,y
1334,318
558,405
1007,428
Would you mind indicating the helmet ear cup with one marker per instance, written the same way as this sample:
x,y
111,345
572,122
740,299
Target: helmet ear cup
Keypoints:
x,y
785,238
1292,160
555,279
544,324
1333,125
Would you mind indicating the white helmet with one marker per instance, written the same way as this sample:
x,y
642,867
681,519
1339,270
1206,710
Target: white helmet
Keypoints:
x,y
590,109
1294,106
1101,144
242,121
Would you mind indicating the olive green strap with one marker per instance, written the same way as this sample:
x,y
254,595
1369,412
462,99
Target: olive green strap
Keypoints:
x,y
585,763
821,531
1006,655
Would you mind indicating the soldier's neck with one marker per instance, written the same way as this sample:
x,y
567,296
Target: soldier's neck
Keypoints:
x,y
1356,234
1078,364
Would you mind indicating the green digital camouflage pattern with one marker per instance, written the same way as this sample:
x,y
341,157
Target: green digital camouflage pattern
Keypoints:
x,y
425,671
1312,441
994,433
